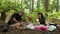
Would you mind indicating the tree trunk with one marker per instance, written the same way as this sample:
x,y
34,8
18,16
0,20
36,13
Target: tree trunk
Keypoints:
x,y
46,2
32,5
38,3
57,5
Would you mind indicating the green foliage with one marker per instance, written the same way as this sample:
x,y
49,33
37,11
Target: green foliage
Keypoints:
x,y
54,15
7,5
10,12
33,15
11,6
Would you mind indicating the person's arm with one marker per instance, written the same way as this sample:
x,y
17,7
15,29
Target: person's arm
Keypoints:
x,y
14,19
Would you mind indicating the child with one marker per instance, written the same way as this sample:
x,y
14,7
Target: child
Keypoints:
x,y
29,18
30,23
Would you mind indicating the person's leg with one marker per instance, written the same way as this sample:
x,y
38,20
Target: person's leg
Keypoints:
x,y
5,26
8,18
16,25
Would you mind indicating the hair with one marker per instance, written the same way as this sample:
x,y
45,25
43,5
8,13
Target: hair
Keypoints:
x,y
41,15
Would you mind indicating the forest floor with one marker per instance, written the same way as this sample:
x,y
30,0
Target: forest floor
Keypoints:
x,y
27,31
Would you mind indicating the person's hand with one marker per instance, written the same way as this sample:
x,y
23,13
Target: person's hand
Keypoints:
x,y
18,25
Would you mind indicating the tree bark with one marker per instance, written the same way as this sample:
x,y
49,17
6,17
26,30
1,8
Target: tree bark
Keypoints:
x,y
38,3
46,2
57,5
32,5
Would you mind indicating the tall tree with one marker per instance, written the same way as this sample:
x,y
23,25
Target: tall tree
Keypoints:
x,y
32,4
46,2
27,4
57,5
7,5
52,6
38,4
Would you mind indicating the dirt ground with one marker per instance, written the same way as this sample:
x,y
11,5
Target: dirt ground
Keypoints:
x,y
28,31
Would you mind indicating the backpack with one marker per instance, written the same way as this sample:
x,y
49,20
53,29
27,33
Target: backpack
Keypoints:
x,y
4,27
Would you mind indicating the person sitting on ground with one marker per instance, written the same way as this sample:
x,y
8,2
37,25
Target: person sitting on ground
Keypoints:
x,y
30,19
30,23
15,19
41,19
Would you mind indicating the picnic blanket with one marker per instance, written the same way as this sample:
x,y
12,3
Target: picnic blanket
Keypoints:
x,y
41,27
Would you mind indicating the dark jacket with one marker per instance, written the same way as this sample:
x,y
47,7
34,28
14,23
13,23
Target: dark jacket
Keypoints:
x,y
42,21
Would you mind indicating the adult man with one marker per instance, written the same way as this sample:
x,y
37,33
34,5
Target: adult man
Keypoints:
x,y
15,19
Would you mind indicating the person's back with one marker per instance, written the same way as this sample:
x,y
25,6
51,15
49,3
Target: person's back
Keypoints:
x,y
8,17
16,16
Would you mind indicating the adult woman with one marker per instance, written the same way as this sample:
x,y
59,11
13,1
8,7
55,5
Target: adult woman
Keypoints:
x,y
41,19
